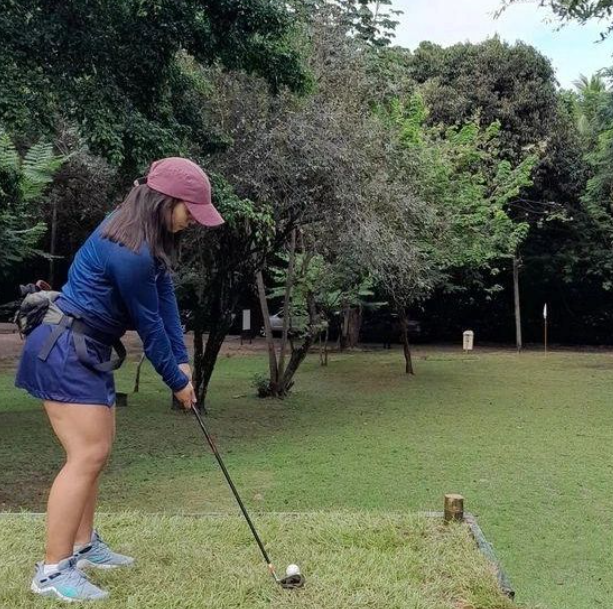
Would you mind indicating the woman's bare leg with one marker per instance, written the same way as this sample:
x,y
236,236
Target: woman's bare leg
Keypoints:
x,y
84,534
85,431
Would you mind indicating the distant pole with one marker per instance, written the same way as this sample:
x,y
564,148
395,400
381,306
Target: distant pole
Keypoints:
x,y
518,338
545,325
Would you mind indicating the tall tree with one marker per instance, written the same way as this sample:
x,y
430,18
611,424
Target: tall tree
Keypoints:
x,y
121,70
513,84
591,95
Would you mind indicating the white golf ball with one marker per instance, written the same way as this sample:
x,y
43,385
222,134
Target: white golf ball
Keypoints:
x,y
292,570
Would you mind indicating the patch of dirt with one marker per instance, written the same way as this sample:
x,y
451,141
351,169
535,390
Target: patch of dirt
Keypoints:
x,y
11,345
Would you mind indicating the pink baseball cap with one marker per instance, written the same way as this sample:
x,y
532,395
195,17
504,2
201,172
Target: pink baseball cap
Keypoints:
x,y
182,179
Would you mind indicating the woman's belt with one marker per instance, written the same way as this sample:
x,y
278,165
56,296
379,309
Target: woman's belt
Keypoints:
x,y
79,331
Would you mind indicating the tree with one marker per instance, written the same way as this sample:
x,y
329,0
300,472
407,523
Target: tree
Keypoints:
x,y
313,160
515,86
122,69
579,10
80,196
468,187
23,181
512,84
217,269
366,22
591,95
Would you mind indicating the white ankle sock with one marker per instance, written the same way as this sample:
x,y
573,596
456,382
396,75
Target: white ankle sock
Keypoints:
x,y
49,569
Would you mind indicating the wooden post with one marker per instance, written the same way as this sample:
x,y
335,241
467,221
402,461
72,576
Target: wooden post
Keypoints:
x,y
454,508
138,369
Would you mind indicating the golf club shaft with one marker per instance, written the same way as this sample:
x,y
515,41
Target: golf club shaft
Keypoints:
x,y
234,491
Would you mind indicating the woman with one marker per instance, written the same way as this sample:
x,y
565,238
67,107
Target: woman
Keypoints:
x,y
119,280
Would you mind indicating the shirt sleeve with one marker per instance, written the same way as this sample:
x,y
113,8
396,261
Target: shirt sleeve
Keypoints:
x,y
134,276
169,311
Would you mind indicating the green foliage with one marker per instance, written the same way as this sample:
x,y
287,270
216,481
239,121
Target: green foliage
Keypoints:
x,y
22,184
325,281
512,84
579,10
261,383
217,266
459,171
119,70
591,94
367,22
309,280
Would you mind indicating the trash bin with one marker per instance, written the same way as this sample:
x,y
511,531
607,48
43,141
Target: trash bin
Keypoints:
x,y
469,338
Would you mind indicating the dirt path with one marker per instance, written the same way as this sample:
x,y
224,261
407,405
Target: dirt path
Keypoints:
x,y
11,345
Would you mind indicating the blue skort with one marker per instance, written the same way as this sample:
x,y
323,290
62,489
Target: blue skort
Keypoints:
x,y
62,377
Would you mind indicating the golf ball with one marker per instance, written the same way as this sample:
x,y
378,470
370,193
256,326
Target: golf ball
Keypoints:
x,y
292,570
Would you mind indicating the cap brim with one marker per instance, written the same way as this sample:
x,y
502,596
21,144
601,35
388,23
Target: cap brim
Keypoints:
x,y
206,215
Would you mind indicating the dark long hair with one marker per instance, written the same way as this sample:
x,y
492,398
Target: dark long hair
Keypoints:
x,y
145,216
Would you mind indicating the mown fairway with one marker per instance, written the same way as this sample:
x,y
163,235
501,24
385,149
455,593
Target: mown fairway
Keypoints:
x,y
526,439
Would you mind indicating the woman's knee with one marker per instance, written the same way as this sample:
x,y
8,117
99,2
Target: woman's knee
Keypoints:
x,y
91,459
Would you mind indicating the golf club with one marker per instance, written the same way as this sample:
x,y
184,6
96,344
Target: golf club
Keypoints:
x,y
293,578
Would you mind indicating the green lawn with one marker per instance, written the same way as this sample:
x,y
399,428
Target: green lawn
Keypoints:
x,y
357,560
526,439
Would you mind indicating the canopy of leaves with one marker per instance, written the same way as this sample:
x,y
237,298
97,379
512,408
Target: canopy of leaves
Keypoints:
x,y
121,68
460,173
512,84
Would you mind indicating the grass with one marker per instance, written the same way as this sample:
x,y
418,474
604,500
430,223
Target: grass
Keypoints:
x,y
358,560
526,439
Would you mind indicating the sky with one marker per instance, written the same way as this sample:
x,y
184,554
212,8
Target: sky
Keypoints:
x,y
573,50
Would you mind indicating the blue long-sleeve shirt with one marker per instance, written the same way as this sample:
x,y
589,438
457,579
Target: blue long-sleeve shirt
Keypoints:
x,y
115,289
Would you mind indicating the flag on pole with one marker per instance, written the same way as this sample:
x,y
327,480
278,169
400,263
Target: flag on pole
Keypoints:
x,y
545,312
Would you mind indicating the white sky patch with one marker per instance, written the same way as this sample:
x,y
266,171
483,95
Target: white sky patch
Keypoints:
x,y
573,49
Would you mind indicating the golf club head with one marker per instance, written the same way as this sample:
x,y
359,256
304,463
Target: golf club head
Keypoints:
x,y
292,581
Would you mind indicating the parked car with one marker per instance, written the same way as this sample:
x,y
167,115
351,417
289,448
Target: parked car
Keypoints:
x,y
296,324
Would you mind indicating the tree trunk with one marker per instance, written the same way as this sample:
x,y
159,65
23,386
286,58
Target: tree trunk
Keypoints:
x,y
321,350
217,335
343,340
518,338
198,365
272,354
138,369
289,282
326,335
298,356
205,356
353,327
299,353
404,325
323,347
